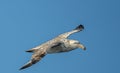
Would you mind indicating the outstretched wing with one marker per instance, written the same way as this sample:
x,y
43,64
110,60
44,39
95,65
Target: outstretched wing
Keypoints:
x,y
36,57
40,53
77,29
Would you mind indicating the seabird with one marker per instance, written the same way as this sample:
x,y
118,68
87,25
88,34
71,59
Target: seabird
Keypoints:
x,y
59,44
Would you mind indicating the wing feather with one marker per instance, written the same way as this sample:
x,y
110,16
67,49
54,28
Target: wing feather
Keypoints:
x,y
77,29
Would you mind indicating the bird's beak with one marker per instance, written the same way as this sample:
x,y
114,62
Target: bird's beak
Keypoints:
x,y
82,46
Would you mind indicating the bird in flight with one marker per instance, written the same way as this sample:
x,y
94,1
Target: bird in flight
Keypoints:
x,y
59,44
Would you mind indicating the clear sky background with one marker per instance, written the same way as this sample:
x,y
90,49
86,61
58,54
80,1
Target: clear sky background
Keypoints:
x,y
25,24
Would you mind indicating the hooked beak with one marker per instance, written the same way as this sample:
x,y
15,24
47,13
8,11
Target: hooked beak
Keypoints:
x,y
82,47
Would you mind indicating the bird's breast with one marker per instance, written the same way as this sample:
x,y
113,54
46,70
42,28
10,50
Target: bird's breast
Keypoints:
x,y
57,49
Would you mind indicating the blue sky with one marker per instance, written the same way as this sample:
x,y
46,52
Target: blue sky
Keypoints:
x,y
25,24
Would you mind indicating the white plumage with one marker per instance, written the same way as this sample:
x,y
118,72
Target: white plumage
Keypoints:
x,y
56,45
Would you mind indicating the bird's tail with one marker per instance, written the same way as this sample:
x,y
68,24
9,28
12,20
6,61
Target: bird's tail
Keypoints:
x,y
31,50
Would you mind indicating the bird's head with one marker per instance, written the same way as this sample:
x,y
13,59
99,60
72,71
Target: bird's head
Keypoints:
x,y
76,44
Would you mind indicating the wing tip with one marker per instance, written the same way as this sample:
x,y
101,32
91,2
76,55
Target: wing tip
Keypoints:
x,y
26,65
21,68
80,27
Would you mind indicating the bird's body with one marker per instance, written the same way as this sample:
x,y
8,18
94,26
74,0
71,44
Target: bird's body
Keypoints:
x,y
56,45
60,47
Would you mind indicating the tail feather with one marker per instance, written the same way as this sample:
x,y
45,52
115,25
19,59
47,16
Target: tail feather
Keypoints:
x,y
31,50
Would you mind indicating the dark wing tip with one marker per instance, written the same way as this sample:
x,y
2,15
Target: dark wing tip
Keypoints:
x,y
30,63
80,27
25,66
84,48
21,68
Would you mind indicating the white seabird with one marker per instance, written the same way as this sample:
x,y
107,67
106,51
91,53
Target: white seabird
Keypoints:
x,y
56,45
